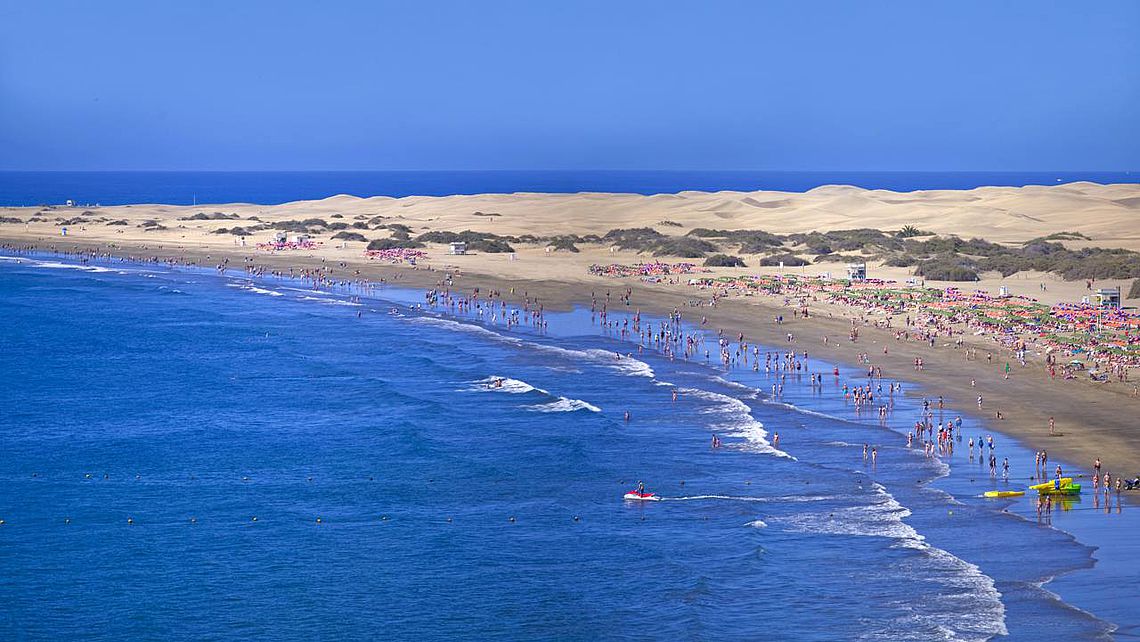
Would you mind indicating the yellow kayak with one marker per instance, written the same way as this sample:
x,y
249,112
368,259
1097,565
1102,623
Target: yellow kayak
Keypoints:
x,y
1071,489
1065,481
1004,493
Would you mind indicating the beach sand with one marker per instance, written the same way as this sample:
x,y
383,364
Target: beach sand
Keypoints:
x,y
1095,420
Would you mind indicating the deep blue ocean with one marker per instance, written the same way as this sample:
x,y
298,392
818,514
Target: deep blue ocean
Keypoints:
x,y
171,437
269,188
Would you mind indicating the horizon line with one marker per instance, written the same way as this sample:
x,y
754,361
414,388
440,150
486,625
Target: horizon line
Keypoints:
x,y
601,169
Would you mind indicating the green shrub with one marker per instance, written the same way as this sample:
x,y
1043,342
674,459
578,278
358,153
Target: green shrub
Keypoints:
x,y
563,244
947,268
724,260
789,260
391,244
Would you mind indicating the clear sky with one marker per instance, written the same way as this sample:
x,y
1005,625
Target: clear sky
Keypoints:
x,y
549,84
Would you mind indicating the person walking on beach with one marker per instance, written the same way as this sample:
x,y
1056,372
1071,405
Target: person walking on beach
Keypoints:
x,y
1005,468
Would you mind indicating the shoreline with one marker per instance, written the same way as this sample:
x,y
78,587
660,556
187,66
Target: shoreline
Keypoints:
x,y
1091,422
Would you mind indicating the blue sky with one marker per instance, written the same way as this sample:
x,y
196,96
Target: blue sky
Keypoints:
x,y
614,84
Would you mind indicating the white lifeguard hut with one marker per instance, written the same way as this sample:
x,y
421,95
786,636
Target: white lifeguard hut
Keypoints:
x,y
1003,291
458,248
1108,297
300,238
280,237
857,271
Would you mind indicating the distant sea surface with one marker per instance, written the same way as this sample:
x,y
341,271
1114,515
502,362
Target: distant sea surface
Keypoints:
x,y
270,188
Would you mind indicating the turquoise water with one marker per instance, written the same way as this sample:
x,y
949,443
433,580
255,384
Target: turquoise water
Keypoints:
x,y
152,414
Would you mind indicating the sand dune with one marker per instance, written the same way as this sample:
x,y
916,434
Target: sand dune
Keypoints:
x,y
999,213
1108,214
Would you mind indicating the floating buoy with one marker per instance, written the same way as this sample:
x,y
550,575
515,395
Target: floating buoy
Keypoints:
x,y
87,476
193,520
254,518
138,476
575,518
1,522
130,520
245,478
682,482
949,512
35,474
318,520
511,519
384,518
309,479
748,482
448,520
66,520
106,476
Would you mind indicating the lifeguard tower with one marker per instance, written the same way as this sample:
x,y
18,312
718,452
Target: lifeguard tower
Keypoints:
x,y
857,271
458,248
1108,297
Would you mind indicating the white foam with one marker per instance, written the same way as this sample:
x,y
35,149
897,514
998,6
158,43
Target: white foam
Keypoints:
x,y
510,386
328,301
564,404
463,327
253,288
621,362
757,523
791,499
752,392
69,266
884,517
739,421
626,363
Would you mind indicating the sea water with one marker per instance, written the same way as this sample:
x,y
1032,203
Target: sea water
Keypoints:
x,y
188,455
270,188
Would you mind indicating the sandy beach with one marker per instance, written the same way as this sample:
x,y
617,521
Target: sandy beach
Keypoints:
x,y
1092,419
